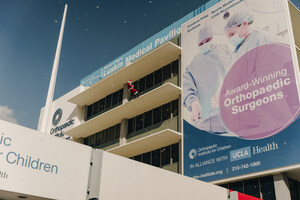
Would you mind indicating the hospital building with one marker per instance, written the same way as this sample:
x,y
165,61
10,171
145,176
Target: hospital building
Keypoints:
x,y
147,127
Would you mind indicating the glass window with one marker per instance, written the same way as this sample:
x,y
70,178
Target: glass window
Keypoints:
x,y
108,101
89,111
98,139
149,81
166,111
102,105
175,108
156,158
157,115
139,122
138,158
175,67
96,108
267,188
165,156
118,131
158,76
148,118
86,141
224,186
92,140
131,125
120,96
112,133
175,153
147,158
167,72
252,187
115,98
142,83
105,136
236,186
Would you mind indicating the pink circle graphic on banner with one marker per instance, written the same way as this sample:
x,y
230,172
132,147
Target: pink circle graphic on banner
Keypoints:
x,y
259,95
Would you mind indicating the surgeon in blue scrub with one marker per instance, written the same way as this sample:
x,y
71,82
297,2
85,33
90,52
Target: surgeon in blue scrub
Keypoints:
x,y
202,80
240,33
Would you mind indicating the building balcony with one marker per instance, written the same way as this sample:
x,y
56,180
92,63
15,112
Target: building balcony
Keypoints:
x,y
148,63
147,143
156,97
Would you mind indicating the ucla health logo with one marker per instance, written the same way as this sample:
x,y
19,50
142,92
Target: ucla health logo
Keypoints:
x,y
193,154
240,154
57,117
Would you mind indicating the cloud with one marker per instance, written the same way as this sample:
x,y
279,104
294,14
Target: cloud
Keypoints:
x,y
6,114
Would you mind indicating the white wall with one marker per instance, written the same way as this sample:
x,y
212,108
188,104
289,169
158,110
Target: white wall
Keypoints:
x,y
69,111
64,177
125,179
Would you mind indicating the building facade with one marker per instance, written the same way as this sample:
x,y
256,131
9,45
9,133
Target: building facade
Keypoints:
x,y
147,127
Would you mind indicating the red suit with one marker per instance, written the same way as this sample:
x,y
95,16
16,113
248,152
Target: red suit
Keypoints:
x,y
131,88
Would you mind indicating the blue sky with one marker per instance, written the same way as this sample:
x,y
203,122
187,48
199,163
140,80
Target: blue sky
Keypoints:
x,y
96,32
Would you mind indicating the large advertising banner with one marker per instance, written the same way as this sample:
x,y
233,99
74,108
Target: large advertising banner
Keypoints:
x,y
240,90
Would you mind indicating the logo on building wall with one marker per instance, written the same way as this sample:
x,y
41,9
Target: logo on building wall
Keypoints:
x,y
193,154
57,117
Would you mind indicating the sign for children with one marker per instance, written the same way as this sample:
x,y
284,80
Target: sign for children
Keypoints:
x,y
240,90
49,165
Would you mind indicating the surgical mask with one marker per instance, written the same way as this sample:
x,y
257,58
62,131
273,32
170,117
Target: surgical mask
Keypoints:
x,y
205,48
236,40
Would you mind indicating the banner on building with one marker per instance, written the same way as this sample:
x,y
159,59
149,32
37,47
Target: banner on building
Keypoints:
x,y
240,90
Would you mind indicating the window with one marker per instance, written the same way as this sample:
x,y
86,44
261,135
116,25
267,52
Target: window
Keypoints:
x,y
237,186
175,153
86,141
267,187
115,98
138,158
160,157
158,77
108,101
175,67
157,115
156,158
147,158
98,139
105,136
142,83
166,111
118,129
175,108
139,122
148,119
131,125
90,111
120,96
252,187
165,156
112,133
92,140
102,105
149,81
167,72
96,108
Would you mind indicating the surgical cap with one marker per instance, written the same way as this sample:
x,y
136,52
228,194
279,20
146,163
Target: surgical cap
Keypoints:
x,y
238,19
204,33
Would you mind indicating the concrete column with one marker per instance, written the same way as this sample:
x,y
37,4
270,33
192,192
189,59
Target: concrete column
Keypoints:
x,y
180,157
125,94
123,131
281,185
83,113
